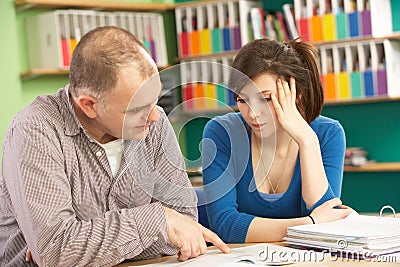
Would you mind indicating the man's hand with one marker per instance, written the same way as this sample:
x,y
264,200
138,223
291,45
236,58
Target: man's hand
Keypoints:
x,y
189,236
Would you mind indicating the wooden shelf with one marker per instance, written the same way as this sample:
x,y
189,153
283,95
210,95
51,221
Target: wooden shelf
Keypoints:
x,y
33,73
196,179
360,101
204,56
356,40
91,4
375,167
184,114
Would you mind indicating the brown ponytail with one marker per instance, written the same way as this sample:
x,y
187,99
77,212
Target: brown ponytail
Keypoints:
x,y
312,99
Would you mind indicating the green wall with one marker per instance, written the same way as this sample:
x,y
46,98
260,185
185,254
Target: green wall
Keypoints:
x,y
376,127
15,92
10,89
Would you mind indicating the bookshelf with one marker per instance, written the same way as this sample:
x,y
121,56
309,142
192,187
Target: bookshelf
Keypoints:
x,y
380,112
206,56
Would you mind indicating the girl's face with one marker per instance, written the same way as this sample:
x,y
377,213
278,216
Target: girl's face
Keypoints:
x,y
254,103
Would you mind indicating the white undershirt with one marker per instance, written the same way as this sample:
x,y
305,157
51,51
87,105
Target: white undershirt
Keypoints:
x,y
114,154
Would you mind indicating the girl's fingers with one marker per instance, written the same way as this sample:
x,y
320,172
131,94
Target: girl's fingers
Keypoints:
x,y
293,90
277,106
281,93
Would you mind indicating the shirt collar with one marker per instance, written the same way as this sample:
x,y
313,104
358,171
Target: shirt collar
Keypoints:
x,y
72,124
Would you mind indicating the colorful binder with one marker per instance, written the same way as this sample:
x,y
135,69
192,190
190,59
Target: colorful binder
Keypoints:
x,y
369,83
234,25
353,24
316,28
343,85
342,26
330,86
356,83
329,27
395,7
365,20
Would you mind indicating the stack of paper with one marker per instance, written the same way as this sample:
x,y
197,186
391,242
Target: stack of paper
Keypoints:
x,y
355,236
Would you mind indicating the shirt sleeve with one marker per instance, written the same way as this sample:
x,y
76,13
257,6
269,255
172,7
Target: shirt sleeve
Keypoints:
x,y
220,176
333,147
173,187
41,194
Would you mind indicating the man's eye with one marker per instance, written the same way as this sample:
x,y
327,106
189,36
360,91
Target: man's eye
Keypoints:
x,y
266,99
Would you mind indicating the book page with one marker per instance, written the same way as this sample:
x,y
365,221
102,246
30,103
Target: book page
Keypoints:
x,y
260,254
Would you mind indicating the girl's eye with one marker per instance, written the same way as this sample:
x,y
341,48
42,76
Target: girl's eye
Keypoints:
x,y
266,99
241,100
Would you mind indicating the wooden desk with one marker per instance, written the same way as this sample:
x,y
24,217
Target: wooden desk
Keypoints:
x,y
326,263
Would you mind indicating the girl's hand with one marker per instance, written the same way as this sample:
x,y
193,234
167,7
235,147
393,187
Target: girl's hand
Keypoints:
x,y
331,210
287,113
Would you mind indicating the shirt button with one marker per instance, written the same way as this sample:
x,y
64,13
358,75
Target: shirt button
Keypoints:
x,y
155,238
98,153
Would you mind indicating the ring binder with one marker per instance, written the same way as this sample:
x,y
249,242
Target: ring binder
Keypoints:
x,y
367,236
387,207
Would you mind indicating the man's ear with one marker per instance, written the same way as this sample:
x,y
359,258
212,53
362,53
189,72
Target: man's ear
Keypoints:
x,y
88,105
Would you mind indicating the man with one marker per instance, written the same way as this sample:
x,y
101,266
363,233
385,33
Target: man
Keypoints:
x,y
93,175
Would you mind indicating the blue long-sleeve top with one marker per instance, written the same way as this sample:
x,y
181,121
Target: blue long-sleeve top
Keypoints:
x,y
230,191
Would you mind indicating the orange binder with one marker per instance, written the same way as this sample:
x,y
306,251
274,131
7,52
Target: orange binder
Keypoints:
x,y
195,42
316,28
198,96
330,87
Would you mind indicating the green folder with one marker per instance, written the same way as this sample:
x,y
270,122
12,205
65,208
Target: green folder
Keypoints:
x,y
395,4
341,26
216,40
221,96
356,85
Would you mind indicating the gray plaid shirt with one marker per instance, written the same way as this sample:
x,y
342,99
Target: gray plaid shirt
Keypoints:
x,y
59,198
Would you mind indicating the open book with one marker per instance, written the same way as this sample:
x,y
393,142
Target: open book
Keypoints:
x,y
357,235
260,254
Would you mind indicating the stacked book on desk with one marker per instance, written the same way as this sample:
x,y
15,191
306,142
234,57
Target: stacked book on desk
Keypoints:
x,y
355,156
357,236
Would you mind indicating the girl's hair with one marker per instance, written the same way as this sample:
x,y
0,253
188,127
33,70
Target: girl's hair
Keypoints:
x,y
295,59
